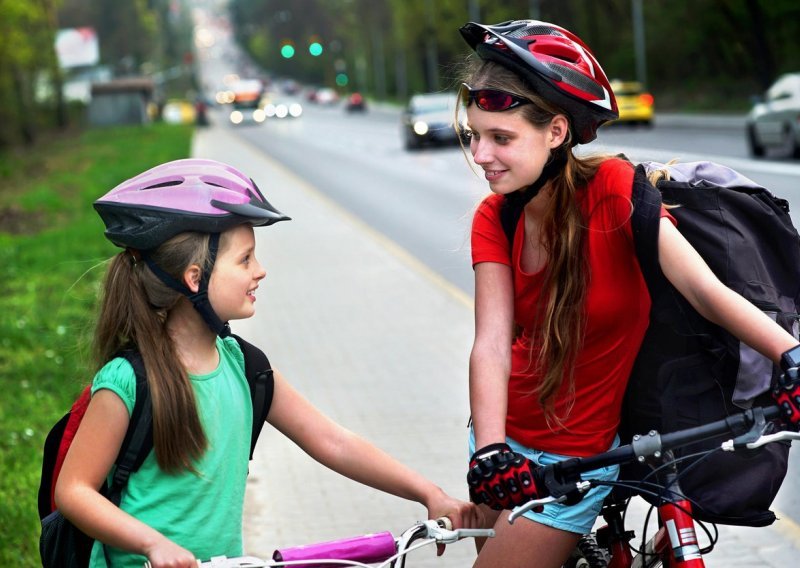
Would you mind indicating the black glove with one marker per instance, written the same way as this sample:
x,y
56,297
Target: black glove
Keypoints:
x,y
787,392
503,479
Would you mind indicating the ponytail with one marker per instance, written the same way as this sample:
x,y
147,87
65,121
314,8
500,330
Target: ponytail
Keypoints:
x,y
133,314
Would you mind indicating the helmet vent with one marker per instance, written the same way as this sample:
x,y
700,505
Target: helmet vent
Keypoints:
x,y
532,31
163,184
572,77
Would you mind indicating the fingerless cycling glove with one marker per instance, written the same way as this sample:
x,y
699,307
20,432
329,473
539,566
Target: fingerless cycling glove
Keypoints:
x,y
502,479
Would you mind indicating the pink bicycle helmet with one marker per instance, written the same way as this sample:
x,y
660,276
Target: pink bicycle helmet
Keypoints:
x,y
556,63
184,195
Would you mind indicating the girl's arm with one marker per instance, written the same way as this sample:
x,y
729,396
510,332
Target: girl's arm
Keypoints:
x,y
490,359
91,456
352,456
692,277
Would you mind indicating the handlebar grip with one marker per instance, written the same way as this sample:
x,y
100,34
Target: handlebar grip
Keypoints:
x,y
445,523
370,548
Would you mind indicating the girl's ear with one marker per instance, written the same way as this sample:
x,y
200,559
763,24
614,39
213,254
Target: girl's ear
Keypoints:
x,y
192,276
557,131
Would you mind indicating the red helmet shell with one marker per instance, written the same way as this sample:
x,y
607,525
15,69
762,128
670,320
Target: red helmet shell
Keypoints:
x,y
557,64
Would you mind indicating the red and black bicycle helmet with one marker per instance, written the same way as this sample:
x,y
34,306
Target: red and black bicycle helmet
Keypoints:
x,y
556,63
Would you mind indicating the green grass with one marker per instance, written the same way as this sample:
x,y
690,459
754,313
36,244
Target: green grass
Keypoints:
x,y
52,254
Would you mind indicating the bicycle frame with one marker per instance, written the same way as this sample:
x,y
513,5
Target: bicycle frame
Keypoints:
x,y
675,544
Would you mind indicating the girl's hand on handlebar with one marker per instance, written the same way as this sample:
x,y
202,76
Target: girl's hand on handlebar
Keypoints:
x,y
502,479
167,554
462,514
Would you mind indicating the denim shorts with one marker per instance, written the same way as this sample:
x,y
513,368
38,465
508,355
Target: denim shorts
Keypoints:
x,y
578,518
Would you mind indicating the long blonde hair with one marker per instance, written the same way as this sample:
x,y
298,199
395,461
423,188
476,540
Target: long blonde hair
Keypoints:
x,y
133,314
561,312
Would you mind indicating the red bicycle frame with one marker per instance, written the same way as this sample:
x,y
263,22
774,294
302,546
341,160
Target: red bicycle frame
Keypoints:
x,y
675,543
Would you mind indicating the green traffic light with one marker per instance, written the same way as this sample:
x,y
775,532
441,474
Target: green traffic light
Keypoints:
x,y
287,51
315,49
342,79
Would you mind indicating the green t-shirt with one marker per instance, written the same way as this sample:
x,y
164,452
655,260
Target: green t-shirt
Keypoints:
x,y
201,511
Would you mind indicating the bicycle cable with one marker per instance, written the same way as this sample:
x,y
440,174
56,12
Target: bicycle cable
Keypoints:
x,y
637,487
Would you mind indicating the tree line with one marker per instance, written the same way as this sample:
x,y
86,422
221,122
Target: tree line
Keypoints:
x,y
698,53
135,37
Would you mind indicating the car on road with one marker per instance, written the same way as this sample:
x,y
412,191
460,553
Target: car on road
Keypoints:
x,y
246,102
429,119
326,96
774,121
178,111
356,103
636,104
281,106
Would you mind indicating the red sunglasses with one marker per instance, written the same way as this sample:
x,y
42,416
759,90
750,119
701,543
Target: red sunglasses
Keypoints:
x,y
490,100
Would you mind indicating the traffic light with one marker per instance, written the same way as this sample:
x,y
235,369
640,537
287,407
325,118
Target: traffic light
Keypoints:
x,y
287,50
315,48
342,79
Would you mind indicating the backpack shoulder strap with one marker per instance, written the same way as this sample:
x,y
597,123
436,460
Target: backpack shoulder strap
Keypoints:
x,y
645,221
138,441
262,385
510,212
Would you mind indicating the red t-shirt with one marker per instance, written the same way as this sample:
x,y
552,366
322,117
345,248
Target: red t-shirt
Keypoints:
x,y
617,308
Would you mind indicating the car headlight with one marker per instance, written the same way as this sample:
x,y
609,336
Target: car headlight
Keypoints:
x,y
281,110
259,115
295,109
269,110
421,127
237,117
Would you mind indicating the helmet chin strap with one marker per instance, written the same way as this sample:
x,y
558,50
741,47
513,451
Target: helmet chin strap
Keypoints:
x,y
554,165
199,299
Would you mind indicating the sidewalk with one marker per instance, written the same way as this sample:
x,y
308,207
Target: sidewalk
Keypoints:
x,y
380,344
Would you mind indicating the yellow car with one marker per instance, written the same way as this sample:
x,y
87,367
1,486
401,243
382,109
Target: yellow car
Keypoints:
x,y
636,106
178,111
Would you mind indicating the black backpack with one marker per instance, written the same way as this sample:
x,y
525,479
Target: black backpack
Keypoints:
x,y
690,371
61,543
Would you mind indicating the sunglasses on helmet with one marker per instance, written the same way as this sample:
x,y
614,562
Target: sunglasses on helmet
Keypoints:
x,y
491,100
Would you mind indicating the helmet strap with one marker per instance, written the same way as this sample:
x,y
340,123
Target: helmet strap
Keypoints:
x,y
199,299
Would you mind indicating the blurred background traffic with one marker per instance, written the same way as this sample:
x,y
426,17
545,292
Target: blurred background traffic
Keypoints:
x,y
68,63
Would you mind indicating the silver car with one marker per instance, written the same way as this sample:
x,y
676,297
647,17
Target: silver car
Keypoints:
x,y
428,119
774,123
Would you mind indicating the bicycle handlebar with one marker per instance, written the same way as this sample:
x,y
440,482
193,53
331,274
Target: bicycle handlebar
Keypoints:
x,y
356,551
747,429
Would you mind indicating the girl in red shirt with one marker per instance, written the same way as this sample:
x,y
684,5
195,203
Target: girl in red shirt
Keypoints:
x,y
559,318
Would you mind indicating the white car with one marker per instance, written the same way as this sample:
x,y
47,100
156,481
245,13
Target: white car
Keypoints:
x,y
774,123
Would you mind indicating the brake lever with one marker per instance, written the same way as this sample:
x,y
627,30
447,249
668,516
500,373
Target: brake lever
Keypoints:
x,y
581,487
782,436
533,504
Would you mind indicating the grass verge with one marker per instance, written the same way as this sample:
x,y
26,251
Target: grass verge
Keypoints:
x,y
52,252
